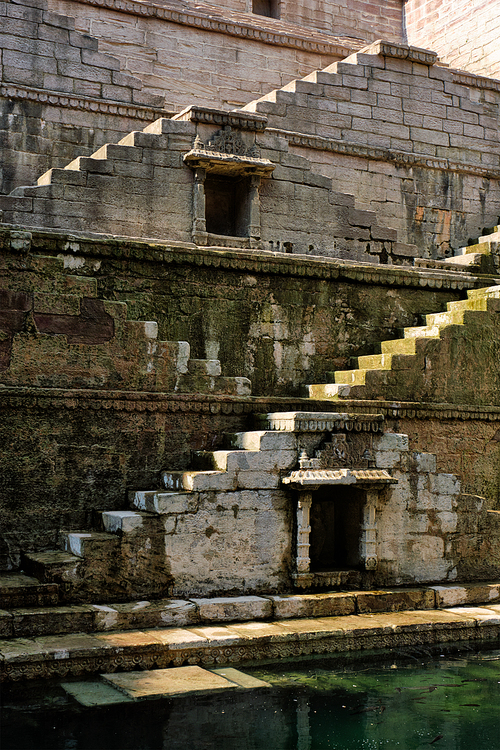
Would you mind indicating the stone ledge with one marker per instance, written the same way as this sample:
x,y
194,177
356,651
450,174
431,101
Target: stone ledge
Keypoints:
x,y
53,242
375,153
18,621
236,119
142,401
78,102
79,653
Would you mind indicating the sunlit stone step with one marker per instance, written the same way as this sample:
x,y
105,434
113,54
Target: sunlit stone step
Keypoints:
x,y
82,543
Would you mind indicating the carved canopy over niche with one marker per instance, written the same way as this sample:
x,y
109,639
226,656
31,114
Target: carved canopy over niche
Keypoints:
x,y
226,153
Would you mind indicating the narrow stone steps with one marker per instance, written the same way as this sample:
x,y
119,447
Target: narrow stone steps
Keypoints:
x,y
51,566
418,341
20,620
114,651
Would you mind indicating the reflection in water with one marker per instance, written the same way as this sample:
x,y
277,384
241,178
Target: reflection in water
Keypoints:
x,y
450,703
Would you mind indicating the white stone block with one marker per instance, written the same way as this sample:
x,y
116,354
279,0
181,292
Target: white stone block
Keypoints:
x,y
122,520
448,521
450,596
258,480
260,460
386,459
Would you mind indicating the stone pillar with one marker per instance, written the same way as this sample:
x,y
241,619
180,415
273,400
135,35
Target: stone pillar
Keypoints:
x,y
303,532
200,236
254,211
369,531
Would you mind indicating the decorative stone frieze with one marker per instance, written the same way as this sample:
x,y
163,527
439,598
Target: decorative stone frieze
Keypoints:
x,y
374,153
79,102
323,422
210,116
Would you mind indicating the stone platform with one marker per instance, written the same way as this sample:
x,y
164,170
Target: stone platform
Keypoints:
x,y
82,653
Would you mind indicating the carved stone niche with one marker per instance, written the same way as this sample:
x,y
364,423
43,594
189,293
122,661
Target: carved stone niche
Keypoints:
x,y
227,177
338,492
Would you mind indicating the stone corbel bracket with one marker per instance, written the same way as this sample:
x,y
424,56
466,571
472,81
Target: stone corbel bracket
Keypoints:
x,y
214,162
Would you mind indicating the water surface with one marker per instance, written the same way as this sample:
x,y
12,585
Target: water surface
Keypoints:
x,y
408,701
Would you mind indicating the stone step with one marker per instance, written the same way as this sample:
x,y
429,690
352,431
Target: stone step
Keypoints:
x,y
325,391
161,502
80,653
19,589
350,377
429,331
492,236
198,481
85,543
52,566
123,521
492,292
375,361
24,621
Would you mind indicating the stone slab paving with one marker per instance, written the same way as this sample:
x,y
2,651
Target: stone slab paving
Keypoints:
x,y
225,645
161,683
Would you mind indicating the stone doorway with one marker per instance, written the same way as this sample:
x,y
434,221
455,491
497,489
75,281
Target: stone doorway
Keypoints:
x,y
336,529
227,209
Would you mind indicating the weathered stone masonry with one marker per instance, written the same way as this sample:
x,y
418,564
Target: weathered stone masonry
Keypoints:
x,y
175,239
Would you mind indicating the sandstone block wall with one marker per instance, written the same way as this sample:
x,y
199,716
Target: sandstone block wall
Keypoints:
x,y
363,19
59,95
206,55
409,139
463,33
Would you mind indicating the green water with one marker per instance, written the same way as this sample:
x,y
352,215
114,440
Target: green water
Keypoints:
x,y
451,702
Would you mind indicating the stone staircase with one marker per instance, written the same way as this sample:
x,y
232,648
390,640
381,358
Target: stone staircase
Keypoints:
x,y
423,364
480,256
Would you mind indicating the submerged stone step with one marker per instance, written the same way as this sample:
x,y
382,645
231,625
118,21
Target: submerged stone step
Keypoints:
x,y
161,683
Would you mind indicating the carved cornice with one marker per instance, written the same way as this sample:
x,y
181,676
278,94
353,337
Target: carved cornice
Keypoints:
x,y
422,410
252,30
475,81
237,119
226,153
374,153
402,52
52,242
12,397
89,104
307,421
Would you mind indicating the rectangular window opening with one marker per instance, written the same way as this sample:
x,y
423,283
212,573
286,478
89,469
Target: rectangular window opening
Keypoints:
x,y
269,8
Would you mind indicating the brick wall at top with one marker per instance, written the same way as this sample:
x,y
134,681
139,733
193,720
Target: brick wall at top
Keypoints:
x,y
464,33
